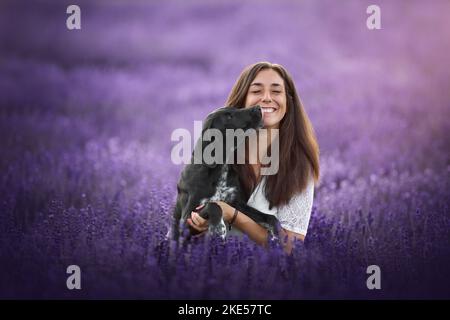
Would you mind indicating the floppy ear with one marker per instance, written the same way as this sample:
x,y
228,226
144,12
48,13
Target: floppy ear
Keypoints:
x,y
207,124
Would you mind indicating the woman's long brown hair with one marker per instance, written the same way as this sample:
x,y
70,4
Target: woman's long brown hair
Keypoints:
x,y
298,147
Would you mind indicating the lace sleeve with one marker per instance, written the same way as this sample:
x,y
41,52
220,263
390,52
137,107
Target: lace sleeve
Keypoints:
x,y
296,214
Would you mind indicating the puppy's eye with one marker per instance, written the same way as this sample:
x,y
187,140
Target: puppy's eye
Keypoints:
x,y
229,116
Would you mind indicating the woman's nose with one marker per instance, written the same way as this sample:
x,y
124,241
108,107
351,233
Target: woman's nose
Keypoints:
x,y
267,97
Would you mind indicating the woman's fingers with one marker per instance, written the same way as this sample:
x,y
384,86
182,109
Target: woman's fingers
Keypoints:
x,y
198,220
200,206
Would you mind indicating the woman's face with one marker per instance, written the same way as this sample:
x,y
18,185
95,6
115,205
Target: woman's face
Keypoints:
x,y
267,90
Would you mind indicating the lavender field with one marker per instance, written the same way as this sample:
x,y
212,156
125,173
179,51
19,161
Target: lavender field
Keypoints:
x,y
86,118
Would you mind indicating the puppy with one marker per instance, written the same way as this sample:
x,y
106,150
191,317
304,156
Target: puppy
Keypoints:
x,y
205,182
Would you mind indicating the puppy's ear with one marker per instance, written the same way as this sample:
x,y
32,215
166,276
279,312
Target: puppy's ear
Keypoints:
x,y
209,121
207,124
197,153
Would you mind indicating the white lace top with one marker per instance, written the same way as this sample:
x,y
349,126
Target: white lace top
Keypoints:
x,y
293,216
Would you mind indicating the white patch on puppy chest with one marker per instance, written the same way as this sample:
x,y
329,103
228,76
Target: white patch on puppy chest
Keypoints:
x,y
223,191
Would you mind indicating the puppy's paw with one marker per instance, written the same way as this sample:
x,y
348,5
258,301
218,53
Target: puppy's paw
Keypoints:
x,y
219,229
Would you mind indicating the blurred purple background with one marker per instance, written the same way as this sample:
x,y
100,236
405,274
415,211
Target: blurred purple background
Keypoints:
x,y
86,118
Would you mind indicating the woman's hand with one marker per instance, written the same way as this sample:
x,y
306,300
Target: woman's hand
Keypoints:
x,y
201,225
197,222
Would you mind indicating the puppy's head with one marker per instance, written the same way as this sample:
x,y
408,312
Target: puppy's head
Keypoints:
x,y
229,118
234,118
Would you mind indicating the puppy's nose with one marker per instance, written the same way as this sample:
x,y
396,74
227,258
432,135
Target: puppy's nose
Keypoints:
x,y
256,109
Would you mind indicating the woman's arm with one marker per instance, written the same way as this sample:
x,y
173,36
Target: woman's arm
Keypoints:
x,y
242,222
256,232
248,226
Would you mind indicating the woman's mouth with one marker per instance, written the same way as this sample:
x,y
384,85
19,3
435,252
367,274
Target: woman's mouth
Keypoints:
x,y
268,110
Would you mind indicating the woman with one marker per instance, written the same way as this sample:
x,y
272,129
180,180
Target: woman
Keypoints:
x,y
289,193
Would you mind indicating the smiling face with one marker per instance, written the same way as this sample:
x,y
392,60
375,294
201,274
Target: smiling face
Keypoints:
x,y
268,91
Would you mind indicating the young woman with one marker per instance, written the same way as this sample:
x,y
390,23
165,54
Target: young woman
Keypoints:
x,y
288,194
